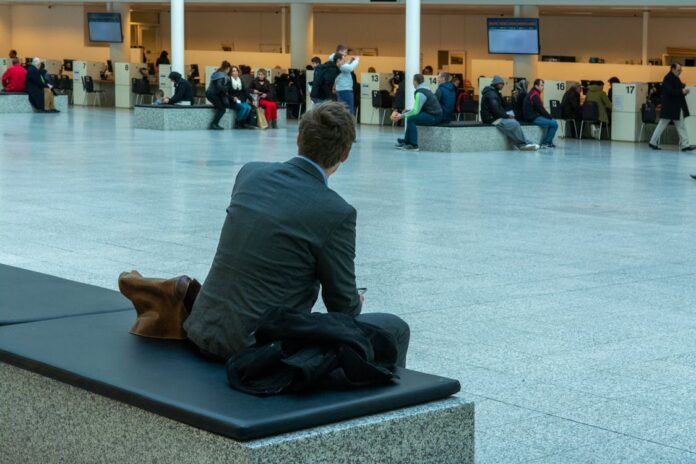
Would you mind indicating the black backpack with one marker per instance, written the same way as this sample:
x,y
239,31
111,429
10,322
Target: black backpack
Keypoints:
x,y
316,82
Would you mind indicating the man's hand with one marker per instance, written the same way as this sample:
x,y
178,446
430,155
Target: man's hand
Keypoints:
x,y
362,299
685,91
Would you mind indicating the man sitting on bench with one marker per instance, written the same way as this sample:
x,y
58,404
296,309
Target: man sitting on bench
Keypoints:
x,y
285,234
493,112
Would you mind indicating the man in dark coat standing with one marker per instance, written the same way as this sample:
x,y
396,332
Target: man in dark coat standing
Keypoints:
x,y
674,109
35,85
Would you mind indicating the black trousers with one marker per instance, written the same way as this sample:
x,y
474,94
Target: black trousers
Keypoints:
x,y
220,108
395,326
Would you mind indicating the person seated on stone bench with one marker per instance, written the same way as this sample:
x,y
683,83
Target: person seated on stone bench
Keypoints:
x,y
447,96
218,93
426,112
535,112
49,100
286,235
36,86
239,98
14,78
493,112
183,91
266,100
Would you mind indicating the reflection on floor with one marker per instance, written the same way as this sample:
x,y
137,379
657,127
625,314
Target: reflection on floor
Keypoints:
x,y
558,286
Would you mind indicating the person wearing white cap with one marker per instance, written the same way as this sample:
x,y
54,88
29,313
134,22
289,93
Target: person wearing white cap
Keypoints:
x,y
493,112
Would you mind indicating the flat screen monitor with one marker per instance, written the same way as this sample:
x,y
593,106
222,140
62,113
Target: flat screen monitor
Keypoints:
x,y
105,27
519,36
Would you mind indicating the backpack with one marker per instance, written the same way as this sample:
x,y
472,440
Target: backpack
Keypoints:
x,y
316,82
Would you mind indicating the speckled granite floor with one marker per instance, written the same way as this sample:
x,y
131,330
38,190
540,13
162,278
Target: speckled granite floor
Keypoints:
x,y
557,286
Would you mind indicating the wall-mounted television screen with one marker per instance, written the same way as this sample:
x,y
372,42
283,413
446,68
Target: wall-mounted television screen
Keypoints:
x,y
518,36
105,27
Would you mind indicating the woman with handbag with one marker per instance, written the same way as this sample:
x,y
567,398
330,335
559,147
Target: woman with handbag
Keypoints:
x,y
239,98
262,89
218,93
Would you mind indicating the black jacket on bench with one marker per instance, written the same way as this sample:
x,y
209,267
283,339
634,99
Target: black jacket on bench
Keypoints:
x,y
297,351
183,91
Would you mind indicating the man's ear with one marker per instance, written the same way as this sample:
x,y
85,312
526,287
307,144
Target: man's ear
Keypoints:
x,y
298,141
344,156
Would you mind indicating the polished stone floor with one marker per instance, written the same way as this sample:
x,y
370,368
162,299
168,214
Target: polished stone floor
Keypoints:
x,y
557,286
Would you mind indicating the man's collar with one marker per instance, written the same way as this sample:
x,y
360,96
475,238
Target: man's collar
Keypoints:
x,y
310,167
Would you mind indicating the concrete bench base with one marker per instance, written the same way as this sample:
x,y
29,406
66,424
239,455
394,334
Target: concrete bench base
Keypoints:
x,y
43,420
19,103
475,138
185,118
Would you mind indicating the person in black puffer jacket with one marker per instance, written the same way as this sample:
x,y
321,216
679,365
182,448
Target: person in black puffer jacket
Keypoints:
x,y
493,112
183,92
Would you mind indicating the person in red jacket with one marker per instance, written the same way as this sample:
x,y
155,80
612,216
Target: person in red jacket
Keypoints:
x,y
14,78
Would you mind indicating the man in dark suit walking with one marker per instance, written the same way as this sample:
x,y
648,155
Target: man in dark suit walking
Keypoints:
x,y
286,234
674,108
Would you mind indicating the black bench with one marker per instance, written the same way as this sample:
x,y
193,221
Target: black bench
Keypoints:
x,y
95,353
27,296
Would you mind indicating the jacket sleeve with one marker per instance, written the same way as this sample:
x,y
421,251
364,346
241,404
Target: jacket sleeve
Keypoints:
x,y
606,101
336,269
494,108
350,67
539,106
417,105
178,95
5,77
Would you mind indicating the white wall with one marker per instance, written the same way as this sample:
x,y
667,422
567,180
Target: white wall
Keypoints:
x,y
5,28
58,32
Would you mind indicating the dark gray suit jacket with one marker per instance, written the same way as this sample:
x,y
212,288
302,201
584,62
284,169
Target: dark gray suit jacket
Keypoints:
x,y
286,232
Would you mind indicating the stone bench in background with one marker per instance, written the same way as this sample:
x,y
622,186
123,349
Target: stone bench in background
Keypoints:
x,y
469,137
179,117
19,103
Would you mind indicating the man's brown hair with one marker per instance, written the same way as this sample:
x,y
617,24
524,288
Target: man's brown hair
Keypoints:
x,y
326,132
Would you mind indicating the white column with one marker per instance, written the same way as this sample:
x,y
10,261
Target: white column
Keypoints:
x,y
413,10
177,12
644,55
301,34
525,65
120,52
283,33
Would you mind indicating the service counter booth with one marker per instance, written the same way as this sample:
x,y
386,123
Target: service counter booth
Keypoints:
x,y
370,85
124,74
163,77
104,89
626,121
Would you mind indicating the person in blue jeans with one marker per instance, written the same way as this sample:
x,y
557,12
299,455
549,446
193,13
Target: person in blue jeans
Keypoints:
x,y
535,112
426,112
344,84
239,98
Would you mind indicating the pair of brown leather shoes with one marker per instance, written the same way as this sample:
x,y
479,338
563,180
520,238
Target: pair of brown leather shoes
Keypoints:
x,y
162,305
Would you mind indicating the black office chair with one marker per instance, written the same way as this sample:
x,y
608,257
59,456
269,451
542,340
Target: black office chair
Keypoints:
x,y
65,86
140,88
293,97
590,115
557,113
382,101
648,115
88,86
469,106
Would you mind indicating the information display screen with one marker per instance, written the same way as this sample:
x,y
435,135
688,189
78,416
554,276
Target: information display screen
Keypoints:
x,y
518,36
105,27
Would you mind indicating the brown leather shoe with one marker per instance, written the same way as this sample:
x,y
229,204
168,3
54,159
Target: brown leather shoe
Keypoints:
x,y
162,305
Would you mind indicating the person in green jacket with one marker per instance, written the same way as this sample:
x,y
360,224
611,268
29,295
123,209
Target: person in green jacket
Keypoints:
x,y
596,94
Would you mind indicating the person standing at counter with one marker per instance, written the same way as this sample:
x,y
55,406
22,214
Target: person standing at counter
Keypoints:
x,y
183,92
674,109
14,79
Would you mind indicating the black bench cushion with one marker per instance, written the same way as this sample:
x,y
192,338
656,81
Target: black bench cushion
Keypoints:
x,y
97,353
27,296
454,124
178,107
